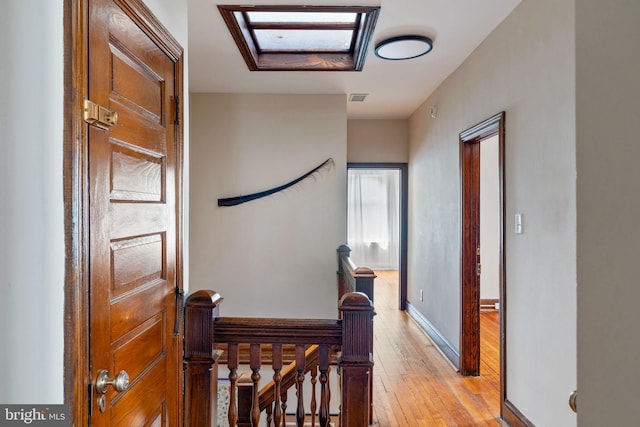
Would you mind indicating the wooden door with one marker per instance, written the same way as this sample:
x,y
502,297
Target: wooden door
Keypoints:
x,y
134,172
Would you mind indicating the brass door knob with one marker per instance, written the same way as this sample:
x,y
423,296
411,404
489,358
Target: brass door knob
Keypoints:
x,y
120,382
573,400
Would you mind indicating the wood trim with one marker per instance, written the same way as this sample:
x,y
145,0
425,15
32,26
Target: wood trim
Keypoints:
x,y
77,380
234,17
147,21
469,280
484,129
277,330
76,316
513,416
494,125
445,347
404,220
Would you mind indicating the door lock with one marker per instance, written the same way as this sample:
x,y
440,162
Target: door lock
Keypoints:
x,y
99,116
120,382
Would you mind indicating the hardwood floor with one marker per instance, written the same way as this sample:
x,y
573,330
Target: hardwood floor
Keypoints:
x,y
414,385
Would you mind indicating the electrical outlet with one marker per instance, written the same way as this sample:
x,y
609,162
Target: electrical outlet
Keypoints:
x,y
421,295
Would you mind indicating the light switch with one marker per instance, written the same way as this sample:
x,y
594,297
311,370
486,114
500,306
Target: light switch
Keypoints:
x,y
518,229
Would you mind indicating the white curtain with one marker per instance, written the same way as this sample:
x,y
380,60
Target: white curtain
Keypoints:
x,y
373,217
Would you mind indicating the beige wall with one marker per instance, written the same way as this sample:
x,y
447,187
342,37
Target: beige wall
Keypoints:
x,y
608,204
525,67
275,256
372,141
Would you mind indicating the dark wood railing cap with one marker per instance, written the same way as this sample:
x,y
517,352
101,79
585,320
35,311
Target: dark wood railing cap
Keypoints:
x,y
364,272
344,249
204,298
355,299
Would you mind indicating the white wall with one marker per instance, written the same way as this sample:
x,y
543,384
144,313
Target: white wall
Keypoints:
x,y
608,205
527,68
31,210
274,256
31,197
489,219
371,141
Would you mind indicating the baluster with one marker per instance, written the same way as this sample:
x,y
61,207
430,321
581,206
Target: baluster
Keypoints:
x,y
284,397
314,404
277,378
323,365
245,400
329,392
255,361
232,364
269,410
300,365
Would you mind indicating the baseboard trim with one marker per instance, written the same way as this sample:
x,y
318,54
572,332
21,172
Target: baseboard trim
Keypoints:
x,y
513,417
438,339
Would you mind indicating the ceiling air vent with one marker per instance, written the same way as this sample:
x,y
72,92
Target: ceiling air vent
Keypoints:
x,y
358,97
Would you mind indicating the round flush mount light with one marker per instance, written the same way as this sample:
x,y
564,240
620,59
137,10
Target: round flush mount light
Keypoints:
x,y
403,47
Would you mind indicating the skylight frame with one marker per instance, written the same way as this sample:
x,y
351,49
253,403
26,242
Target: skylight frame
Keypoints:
x,y
352,58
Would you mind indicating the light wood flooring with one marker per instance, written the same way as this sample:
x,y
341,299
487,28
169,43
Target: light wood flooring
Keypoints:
x,y
414,385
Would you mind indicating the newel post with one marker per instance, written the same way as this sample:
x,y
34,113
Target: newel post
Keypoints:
x,y
356,362
343,256
364,281
200,357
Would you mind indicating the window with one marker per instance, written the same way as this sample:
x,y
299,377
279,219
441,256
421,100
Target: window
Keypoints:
x,y
301,38
373,217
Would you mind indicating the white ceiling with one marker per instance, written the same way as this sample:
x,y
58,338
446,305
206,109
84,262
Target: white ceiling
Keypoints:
x,y
395,88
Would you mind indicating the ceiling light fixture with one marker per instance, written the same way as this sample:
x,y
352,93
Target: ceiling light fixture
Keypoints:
x,y
403,47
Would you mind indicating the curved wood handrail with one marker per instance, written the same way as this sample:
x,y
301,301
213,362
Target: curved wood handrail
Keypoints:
x,y
289,373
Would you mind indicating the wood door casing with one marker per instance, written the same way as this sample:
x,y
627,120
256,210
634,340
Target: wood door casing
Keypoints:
x,y
470,141
470,281
123,187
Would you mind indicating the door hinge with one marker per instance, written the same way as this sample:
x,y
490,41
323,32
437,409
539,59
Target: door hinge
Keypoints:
x,y
90,387
98,116
176,102
179,310
478,269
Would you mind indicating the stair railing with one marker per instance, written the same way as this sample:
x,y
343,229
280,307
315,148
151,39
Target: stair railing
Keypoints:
x,y
351,335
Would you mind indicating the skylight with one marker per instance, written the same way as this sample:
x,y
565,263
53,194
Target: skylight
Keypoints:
x,y
302,38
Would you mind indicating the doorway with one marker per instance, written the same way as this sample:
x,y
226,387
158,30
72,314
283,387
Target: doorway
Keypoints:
x,y
376,184
487,132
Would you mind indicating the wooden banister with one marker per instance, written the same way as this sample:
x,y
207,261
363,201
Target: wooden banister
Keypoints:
x,y
275,330
352,278
200,356
314,340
